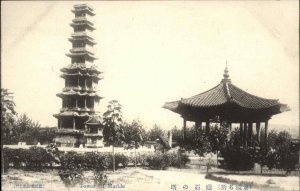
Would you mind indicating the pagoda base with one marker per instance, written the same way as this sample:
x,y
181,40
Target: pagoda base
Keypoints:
x,y
69,139
94,142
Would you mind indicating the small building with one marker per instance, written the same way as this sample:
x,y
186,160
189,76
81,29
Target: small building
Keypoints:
x,y
94,132
162,143
79,95
227,104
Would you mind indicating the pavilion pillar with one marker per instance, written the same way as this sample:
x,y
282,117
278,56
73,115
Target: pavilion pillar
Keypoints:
x,y
250,126
76,103
241,132
198,124
266,132
207,127
258,131
60,123
85,86
229,127
74,123
85,102
78,81
245,134
184,129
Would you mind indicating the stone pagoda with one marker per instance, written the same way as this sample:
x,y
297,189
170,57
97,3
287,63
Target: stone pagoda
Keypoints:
x,y
78,122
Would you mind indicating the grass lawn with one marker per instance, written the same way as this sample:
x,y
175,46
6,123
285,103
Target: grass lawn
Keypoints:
x,y
131,179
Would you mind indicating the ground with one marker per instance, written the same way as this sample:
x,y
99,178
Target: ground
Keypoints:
x,y
135,179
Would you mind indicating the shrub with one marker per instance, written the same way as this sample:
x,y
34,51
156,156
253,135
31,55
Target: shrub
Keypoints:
x,y
34,158
72,160
158,161
92,161
95,161
100,178
142,159
180,160
71,177
13,156
235,158
37,157
121,159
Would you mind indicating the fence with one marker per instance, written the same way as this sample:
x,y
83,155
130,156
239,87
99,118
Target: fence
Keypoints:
x,y
128,152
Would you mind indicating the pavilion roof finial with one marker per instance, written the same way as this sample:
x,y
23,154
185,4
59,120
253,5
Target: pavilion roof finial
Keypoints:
x,y
226,75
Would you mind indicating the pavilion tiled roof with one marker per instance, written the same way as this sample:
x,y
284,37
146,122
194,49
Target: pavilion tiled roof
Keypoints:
x,y
225,93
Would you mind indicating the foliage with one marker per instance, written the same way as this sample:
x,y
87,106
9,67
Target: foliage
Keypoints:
x,y
92,161
113,132
46,135
154,133
122,159
142,159
237,158
197,141
37,158
34,158
26,130
100,178
71,177
179,160
278,151
177,134
286,151
134,134
160,161
75,160
235,155
15,156
210,162
112,118
8,115
217,138
54,152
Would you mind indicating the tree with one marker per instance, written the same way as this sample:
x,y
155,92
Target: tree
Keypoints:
x,y
177,134
46,135
287,152
26,130
217,138
112,132
279,152
134,132
134,135
8,118
235,155
155,132
196,140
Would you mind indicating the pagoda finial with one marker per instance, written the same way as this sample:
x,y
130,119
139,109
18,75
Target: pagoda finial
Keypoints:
x,y
226,75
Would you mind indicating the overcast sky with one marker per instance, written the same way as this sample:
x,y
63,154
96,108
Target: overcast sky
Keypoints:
x,y
153,52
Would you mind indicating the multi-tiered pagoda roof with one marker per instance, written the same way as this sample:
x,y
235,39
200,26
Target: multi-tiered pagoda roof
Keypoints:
x,y
81,80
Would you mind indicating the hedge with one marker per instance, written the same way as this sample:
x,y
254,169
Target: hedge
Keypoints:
x,y
33,158
38,158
